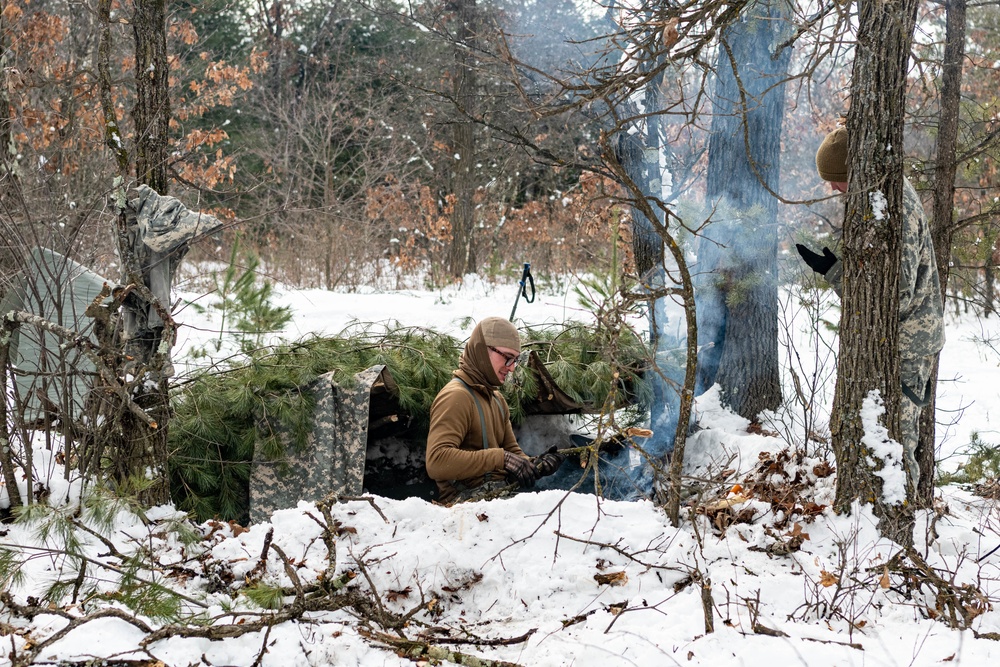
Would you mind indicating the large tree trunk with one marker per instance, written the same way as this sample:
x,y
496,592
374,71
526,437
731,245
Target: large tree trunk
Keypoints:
x,y
737,261
140,450
869,358
942,220
462,257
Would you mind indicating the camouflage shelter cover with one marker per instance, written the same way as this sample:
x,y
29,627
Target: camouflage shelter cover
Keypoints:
x,y
333,459
49,377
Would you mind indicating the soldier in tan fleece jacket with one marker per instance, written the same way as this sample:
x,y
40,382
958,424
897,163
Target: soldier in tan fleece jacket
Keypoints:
x,y
470,440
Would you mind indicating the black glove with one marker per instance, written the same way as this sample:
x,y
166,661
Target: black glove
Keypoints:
x,y
549,462
818,263
521,469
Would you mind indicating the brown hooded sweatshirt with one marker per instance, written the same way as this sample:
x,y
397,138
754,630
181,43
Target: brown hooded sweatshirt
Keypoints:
x,y
455,457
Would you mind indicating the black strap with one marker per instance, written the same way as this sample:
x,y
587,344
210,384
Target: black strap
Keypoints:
x,y
479,408
912,395
522,290
459,486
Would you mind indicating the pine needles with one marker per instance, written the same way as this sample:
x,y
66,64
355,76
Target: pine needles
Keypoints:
x,y
222,417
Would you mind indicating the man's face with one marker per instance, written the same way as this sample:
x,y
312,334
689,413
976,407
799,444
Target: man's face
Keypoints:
x,y
503,359
838,187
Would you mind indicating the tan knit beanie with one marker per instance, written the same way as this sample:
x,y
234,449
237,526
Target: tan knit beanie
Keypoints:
x,y
498,332
831,158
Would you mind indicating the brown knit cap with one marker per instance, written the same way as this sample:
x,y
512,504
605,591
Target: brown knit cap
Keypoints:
x,y
831,158
498,332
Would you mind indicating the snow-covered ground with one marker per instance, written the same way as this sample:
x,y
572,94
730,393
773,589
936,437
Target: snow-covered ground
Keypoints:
x,y
546,578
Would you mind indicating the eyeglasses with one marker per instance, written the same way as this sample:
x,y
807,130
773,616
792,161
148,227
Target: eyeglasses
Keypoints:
x,y
508,359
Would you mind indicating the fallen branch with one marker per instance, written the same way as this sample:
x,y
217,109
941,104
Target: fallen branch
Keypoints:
x,y
503,641
617,549
259,568
956,605
415,650
243,627
31,611
857,647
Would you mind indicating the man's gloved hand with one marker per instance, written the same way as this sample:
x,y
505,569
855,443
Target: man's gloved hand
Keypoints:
x,y
549,462
818,263
519,469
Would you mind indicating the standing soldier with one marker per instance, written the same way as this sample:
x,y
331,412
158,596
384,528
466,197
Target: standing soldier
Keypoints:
x,y
921,312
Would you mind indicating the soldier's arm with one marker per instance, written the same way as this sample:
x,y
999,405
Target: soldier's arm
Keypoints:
x,y
835,276
915,240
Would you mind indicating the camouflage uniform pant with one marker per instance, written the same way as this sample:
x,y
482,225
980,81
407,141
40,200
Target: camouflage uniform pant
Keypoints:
x,y
487,491
914,374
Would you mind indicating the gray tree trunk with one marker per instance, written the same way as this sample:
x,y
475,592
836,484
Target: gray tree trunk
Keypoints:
x,y
737,262
942,219
462,256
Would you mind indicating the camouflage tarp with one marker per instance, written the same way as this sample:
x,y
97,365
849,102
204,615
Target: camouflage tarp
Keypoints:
x,y
51,378
333,460
551,399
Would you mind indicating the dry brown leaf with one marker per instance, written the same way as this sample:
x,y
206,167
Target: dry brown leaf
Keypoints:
x,y
827,579
392,596
796,531
670,35
823,469
883,581
611,579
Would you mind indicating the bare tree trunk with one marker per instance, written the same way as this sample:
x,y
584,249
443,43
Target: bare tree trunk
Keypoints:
x,y
140,447
869,359
8,149
151,112
989,288
6,463
462,257
942,220
738,316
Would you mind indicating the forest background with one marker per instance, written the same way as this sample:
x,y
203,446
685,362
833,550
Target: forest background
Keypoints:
x,y
329,135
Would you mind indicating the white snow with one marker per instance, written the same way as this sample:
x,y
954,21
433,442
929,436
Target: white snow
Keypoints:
x,y
879,204
528,566
888,452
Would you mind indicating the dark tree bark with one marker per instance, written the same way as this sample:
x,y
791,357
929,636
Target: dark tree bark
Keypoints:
x,y
737,262
462,257
869,327
942,219
137,447
151,112
145,448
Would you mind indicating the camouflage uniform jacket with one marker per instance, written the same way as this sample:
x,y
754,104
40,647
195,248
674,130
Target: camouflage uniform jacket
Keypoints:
x,y
456,458
921,312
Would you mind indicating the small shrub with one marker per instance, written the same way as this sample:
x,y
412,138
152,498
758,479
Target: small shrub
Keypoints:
x,y
981,467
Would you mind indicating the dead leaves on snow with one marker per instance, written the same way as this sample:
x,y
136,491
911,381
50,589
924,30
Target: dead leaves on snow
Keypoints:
x,y
782,482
